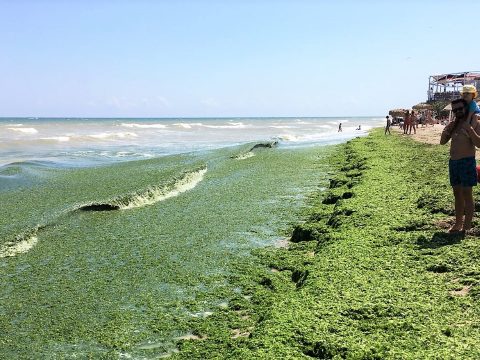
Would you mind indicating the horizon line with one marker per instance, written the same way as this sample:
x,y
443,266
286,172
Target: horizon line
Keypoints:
x,y
180,117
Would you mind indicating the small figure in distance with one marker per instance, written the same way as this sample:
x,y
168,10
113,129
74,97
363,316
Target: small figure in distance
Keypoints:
x,y
340,127
389,123
461,166
469,92
359,127
413,122
406,122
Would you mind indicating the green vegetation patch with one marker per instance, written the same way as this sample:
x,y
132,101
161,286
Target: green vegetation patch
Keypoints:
x,y
370,274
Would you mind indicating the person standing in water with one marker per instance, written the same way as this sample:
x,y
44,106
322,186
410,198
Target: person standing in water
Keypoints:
x,y
340,127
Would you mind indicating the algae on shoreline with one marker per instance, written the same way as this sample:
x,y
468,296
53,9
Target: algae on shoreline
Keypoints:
x,y
110,284
369,275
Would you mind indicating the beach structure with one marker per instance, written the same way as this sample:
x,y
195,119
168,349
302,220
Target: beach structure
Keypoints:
x,y
446,87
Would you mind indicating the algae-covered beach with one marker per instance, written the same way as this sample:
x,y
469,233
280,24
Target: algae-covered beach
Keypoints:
x,y
368,271
371,274
211,180
123,259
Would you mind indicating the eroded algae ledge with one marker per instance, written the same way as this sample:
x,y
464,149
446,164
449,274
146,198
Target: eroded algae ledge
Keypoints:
x,y
371,274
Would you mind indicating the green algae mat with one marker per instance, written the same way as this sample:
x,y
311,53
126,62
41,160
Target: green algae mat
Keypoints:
x,y
123,261
370,274
185,258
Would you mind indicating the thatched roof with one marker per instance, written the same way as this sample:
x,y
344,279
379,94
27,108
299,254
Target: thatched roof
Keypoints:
x,y
422,106
397,112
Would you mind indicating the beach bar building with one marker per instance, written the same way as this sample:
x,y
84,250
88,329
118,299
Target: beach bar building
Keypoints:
x,y
446,87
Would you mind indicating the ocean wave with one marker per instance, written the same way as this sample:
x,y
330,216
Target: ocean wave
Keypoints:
x,y
144,126
22,244
57,138
289,137
232,125
187,125
151,195
24,130
229,126
154,195
116,135
302,122
244,156
283,127
125,154
343,121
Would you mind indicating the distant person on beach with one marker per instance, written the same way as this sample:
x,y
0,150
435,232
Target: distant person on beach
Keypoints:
x,y
461,166
469,93
359,127
340,127
406,122
413,123
422,119
389,123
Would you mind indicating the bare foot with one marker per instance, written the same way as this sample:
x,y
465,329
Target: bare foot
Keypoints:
x,y
455,228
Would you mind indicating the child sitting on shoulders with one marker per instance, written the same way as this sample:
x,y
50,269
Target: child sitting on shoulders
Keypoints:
x,y
469,93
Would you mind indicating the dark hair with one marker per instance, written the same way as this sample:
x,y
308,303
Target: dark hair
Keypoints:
x,y
457,101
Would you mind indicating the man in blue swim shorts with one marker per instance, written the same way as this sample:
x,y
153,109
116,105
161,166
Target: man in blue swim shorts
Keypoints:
x,y
462,167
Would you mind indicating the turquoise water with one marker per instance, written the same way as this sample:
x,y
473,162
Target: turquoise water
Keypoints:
x,y
117,260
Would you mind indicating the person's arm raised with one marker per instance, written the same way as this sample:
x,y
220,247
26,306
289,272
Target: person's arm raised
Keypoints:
x,y
473,130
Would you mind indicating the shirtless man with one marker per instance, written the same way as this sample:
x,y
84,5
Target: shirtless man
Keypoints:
x,y
462,166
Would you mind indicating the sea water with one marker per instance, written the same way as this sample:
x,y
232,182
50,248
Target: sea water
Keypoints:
x,y
117,234
84,142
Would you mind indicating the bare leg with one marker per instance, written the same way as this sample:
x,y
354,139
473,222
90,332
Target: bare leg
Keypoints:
x,y
459,208
469,207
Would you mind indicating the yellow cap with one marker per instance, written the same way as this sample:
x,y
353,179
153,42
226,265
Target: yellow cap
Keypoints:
x,y
469,89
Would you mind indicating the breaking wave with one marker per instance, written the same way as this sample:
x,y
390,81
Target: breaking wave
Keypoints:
x,y
22,244
151,195
116,135
57,138
144,126
250,153
244,156
24,130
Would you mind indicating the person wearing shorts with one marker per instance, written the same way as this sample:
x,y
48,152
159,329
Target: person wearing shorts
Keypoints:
x,y
462,167
463,172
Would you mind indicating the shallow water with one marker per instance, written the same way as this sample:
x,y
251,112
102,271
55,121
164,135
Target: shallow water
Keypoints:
x,y
88,142
130,279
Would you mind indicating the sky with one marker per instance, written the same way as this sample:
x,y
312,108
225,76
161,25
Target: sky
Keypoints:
x,y
209,58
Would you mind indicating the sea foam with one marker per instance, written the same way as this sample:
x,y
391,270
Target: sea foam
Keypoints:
x,y
14,248
144,126
117,135
154,195
24,130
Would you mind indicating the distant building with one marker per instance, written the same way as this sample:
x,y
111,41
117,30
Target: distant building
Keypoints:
x,y
446,87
